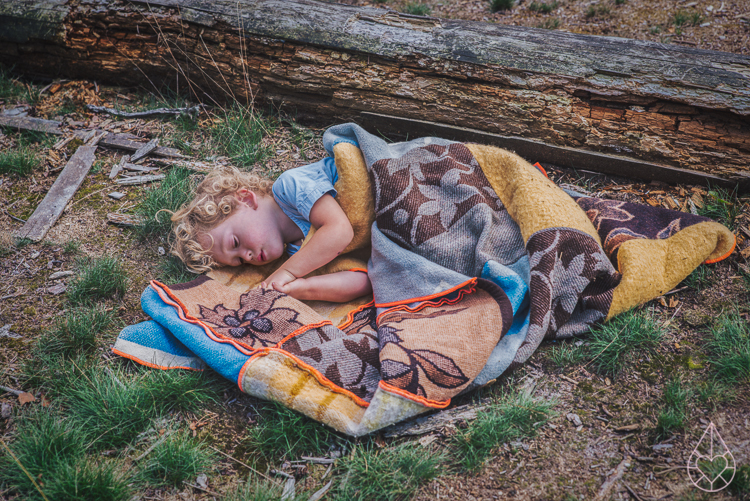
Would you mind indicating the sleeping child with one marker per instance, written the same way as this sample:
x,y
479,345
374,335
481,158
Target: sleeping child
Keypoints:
x,y
239,218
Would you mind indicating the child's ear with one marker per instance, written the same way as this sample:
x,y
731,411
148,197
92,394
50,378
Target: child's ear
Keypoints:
x,y
248,197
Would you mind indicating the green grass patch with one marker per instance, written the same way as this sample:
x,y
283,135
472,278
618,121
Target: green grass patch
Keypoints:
x,y
256,490
173,271
598,10
674,414
551,23
282,432
238,134
683,18
511,417
13,90
740,485
177,459
566,353
117,407
71,248
20,161
89,479
722,205
498,5
387,474
176,189
417,9
729,349
97,279
543,7
77,332
617,342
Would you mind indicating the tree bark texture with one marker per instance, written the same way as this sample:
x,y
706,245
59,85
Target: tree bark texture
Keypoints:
x,y
665,104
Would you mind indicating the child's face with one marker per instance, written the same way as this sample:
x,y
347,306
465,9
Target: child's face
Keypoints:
x,y
249,235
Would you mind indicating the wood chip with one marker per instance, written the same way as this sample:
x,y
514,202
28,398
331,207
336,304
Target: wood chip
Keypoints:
x,y
612,479
119,166
144,150
149,178
60,274
139,168
629,427
123,219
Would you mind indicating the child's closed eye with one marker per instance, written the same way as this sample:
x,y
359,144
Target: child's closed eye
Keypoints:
x,y
235,242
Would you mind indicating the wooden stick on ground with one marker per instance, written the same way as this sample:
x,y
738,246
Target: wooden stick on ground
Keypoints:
x,y
53,204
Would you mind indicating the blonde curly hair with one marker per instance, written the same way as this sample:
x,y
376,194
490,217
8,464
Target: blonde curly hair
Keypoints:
x,y
215,200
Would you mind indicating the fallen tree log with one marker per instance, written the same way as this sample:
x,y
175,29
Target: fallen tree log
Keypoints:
x,y
656,105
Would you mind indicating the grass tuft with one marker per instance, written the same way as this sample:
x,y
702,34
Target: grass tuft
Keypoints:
x,y
599,10
255,490
76,333
238,133
173,271
551,23
14,90
498,5
722,205
417,9
86,480
730,349
176,189
543,7
177,459
614,343
674,414
699,279
102,278
20,161
387,474
284,432
565,354
682,18
71,247
512,417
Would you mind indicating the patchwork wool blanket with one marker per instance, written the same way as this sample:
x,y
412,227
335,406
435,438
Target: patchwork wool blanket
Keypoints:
x,y
475,258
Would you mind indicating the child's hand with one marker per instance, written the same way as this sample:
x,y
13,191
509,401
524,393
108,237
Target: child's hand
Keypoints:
x,y
298,288
279,278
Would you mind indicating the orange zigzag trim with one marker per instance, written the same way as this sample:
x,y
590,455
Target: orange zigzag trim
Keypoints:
x,y
425,304
435,404
472,281
350,316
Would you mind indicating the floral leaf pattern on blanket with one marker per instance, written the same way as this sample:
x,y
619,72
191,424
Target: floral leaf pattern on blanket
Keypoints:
x,y
257,322
617,222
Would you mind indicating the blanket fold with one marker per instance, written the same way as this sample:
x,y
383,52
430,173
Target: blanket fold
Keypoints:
x,y
475,257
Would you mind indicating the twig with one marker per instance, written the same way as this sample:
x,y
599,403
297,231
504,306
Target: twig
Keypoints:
x,y
281,473
321,492
243,464
318,460
11,390
153,446
148,178
15,218
631,491
192,112
201,489
24,469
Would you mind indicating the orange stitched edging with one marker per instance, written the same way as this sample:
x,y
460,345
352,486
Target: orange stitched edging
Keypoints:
x,y
472,281
711,261
302,329
363,270
435,404
425,304
350,316
539,166
312,370
149,364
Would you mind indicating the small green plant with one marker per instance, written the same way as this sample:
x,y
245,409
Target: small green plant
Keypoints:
x,y
19,161
620,2
543,7
71,247
256,490
239,134
655,30
551,23
173,271
614,343
722,205
714,392
674,414
14,90
740,485
76,333
696,18
283,432
177,459
102,278
680,18
88,479
417,9
565,354
730,349
155,209
599,10
498,5
512,417
392,473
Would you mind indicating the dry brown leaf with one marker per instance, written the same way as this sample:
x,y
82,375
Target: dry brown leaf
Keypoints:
x,y
673,302
25,398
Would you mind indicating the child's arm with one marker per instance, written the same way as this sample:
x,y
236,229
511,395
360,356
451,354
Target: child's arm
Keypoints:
x,y
333,233
336,287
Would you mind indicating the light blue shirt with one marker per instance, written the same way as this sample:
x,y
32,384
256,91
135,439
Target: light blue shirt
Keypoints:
x,y
297,190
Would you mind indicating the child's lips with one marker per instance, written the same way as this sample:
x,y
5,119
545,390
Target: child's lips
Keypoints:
x,y
262,256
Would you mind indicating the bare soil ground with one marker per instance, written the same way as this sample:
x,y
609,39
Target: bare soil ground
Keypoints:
x,y
566,460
